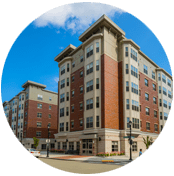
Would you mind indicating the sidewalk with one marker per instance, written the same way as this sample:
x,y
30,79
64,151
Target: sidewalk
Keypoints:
x,y
114,159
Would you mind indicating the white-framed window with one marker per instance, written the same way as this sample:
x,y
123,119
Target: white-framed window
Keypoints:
x,y
89,68
89,51
39,124
39,97
114,146
62,69
39,105
89,122
163,78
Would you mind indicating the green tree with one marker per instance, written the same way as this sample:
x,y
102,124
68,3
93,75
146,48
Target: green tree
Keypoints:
x,y
148,141
36,142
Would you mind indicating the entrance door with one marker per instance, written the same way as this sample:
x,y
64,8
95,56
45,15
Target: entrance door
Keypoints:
x,y
87,147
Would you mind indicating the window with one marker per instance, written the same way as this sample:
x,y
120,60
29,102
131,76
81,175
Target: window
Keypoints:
x,y
134,55
89,86
22,97
127,103
97,65
49,116
139,92
97,121
62,98
49,107
71,145
155,113
134,71
169,94
147,126
81,58
67,82
39,124
126,52
169,82
161,127
72,93
19,97
135,123
97,83
81,106
153,74
97,102
127,69
62,84
61,127
164,91
19,116
135,105
89,68
134,146
72,108
39,106
165,116
128,120
156,127
159,89
67,67
89,104
61,112
81,90
81,122
89,122
127,86
73,64
146,82
72,79
26,104
62,70
38,133
67,111
39,115
20,107
72,124
165,103
64,146
147,111
154,87
97,47
159,76
25,114
58,145
163,78
145,69
160,102
22,115
114,146
169,105
134,88
154,100
67,96
161,115
27,96
81,74
89,51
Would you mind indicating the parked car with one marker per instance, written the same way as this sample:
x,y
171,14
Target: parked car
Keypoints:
x,y
34,152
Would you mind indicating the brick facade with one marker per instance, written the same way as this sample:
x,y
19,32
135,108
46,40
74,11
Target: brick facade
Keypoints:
x,y
77,114
32,119
143,117
109,93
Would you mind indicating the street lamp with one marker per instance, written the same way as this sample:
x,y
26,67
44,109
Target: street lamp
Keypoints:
x,y
48,142
130,140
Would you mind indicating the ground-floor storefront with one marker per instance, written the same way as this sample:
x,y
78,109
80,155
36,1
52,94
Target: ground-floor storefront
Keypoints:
x,y
91,142
29,143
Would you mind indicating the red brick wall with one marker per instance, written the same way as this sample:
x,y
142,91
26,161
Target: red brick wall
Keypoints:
x,y
121,110
77,114
109,93
143,117
33,119
10,117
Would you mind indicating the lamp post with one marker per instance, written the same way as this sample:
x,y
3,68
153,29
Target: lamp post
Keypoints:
x,y
48,142
130,140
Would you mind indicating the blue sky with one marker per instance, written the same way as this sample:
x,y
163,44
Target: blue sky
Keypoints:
x,y
32,55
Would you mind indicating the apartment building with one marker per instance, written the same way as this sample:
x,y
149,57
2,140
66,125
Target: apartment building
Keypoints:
x,y
30,112
104,83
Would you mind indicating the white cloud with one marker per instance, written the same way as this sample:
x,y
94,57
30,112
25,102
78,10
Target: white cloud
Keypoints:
x,y
77,16
61,47
56,79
